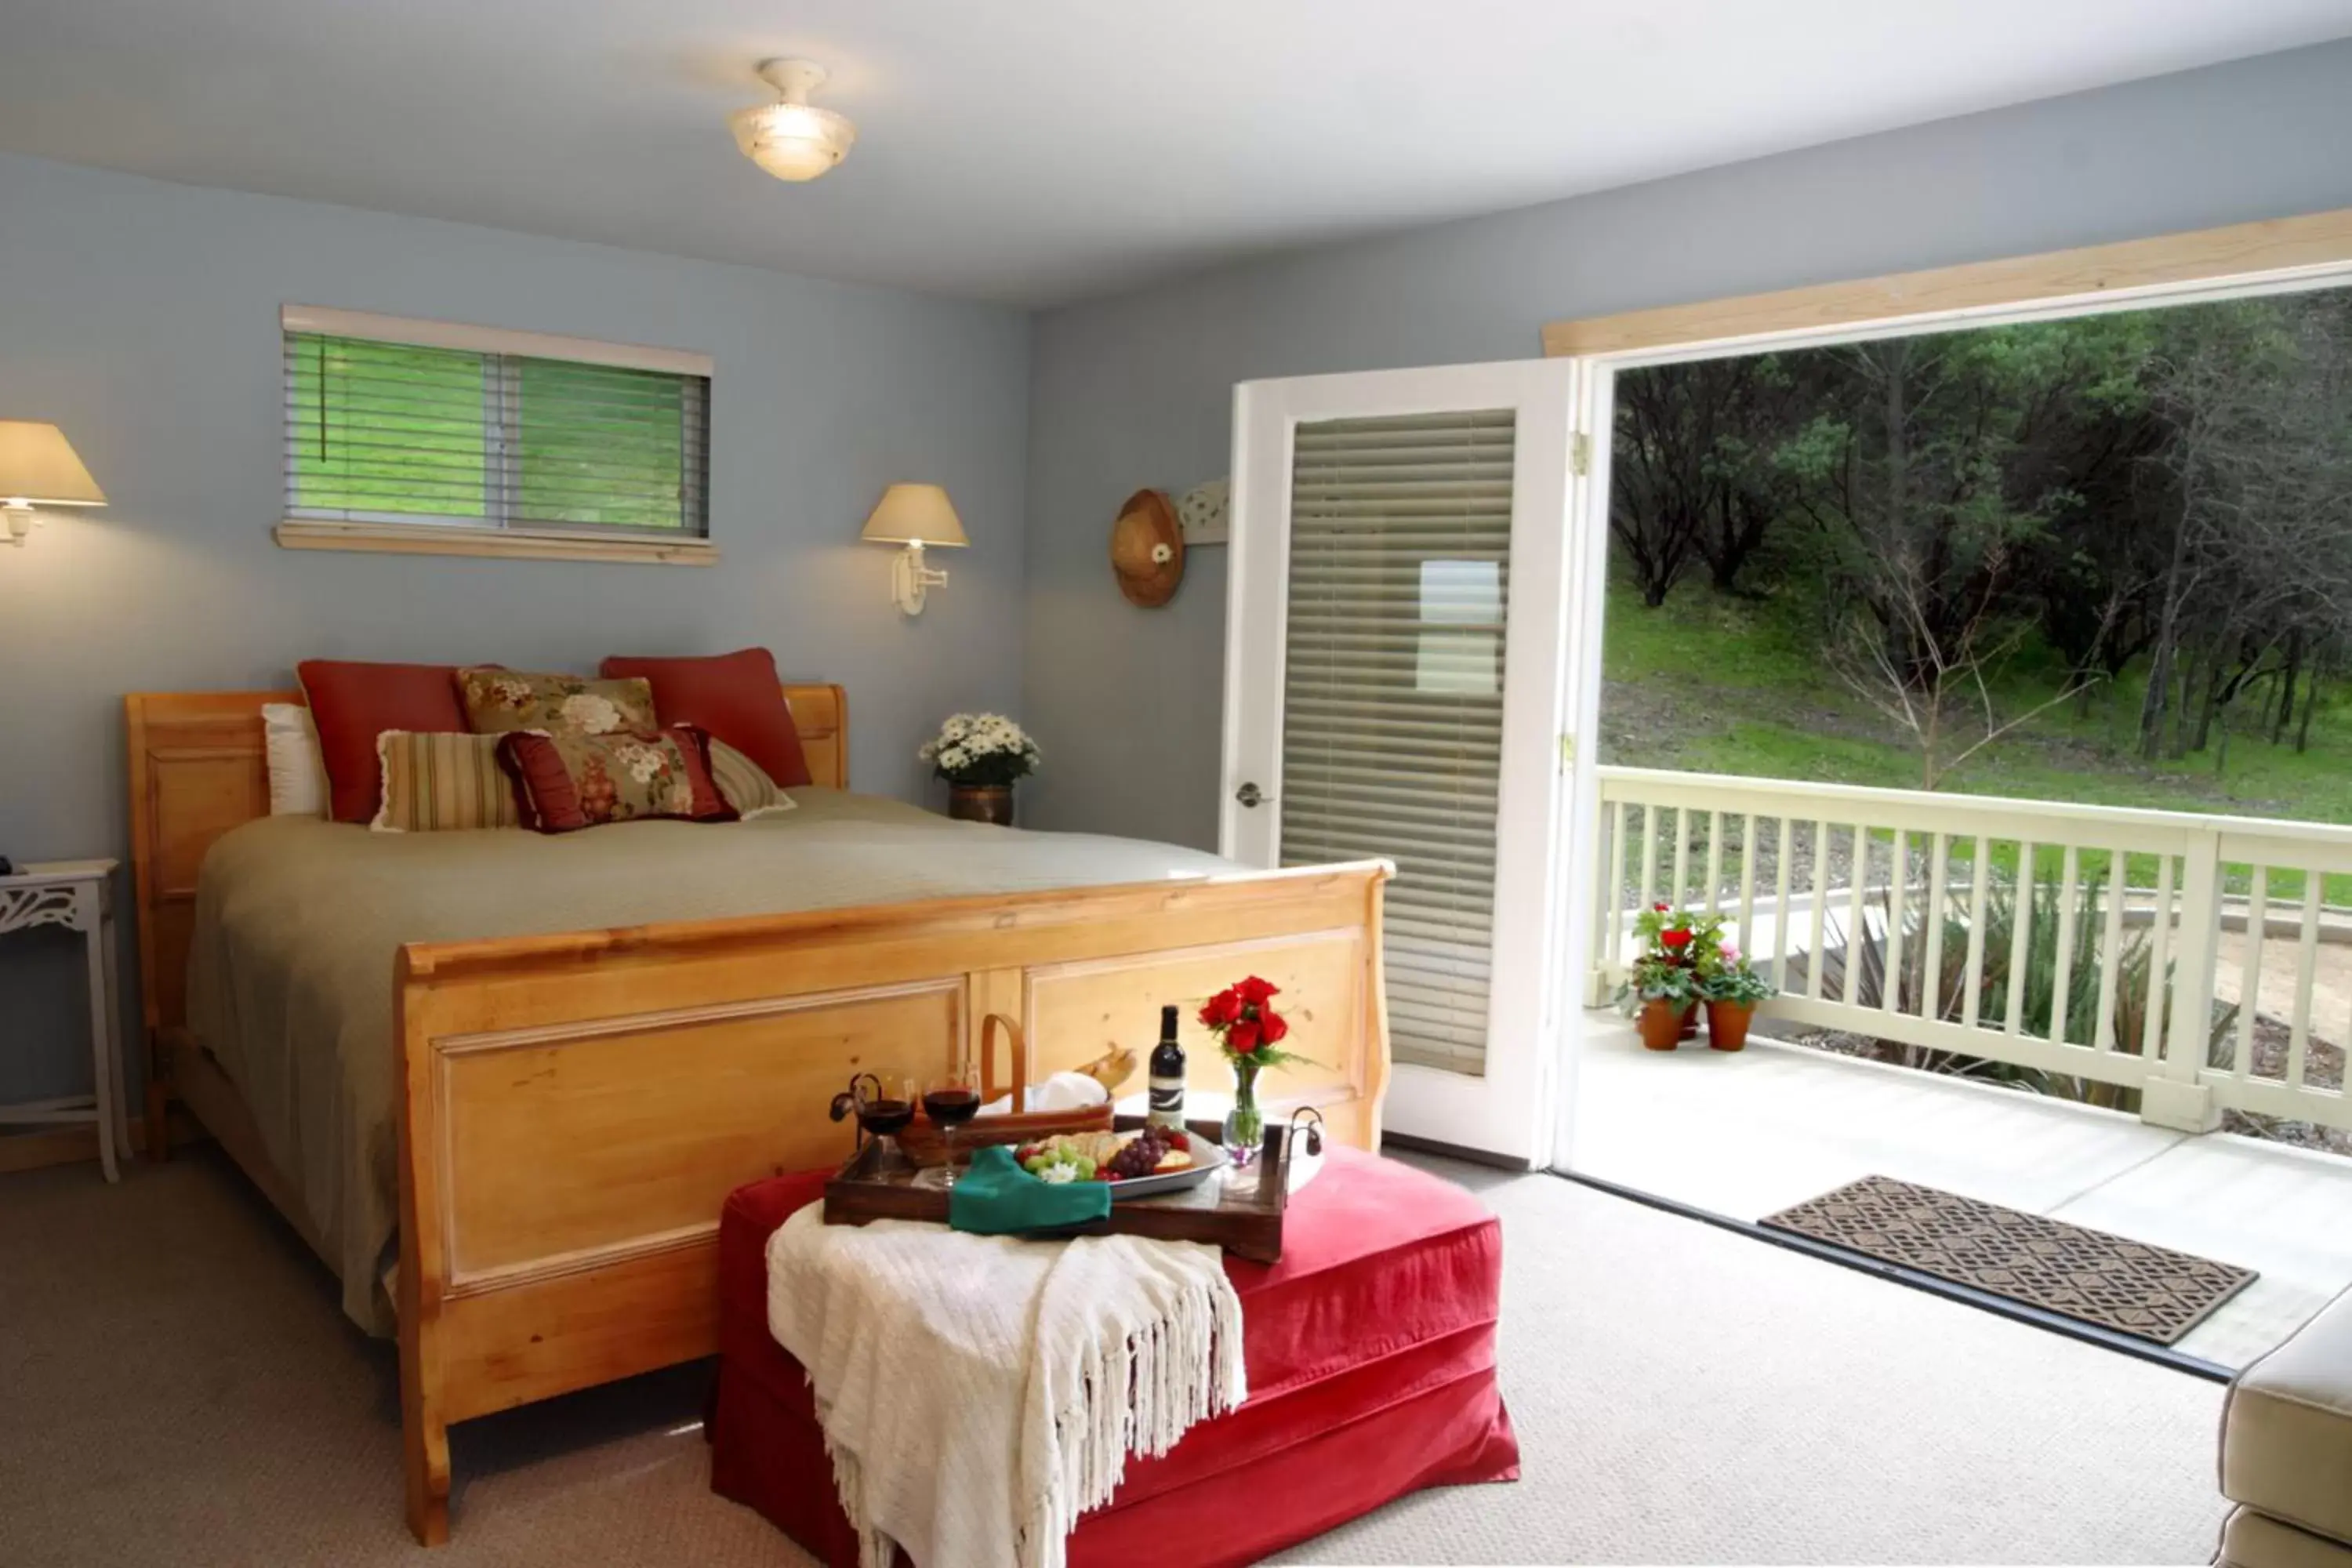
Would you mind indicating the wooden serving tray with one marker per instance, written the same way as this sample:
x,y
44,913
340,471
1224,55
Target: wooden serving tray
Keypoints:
x,y
925,1145
1239,1211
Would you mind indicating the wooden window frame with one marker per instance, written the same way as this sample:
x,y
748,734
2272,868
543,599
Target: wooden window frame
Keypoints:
x,y
498,543
2284,252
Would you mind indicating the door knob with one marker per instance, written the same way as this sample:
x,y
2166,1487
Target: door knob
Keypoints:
x,y
1249,794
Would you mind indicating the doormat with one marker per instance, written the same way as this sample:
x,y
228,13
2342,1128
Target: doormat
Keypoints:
x,y
2149,1292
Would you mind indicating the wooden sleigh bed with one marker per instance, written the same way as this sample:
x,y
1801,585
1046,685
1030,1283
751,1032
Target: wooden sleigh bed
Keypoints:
x,y
573,1109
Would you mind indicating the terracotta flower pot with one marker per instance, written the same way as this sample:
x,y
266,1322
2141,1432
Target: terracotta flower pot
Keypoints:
x,y
1661,1024
1727,1024
981,803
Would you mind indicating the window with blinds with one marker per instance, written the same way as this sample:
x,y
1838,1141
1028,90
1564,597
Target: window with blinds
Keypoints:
x,y
1392,726
417,433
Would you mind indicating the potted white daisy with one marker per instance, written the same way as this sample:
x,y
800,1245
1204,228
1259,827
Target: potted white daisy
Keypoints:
x,y
981,756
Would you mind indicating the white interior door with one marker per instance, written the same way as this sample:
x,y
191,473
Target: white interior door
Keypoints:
x,y
1402,626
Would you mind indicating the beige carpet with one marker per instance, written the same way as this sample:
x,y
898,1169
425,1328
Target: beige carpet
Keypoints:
x,y
177,1387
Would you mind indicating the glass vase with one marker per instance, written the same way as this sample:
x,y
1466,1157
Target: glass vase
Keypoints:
x,y
1245,1132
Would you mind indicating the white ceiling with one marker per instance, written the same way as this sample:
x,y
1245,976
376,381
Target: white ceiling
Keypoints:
x,y
1037,150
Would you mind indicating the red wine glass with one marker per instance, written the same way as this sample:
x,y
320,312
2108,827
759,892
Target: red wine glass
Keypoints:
x,y
950,1099
886,1104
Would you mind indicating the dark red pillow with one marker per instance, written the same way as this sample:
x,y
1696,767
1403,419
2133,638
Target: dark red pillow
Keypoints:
x,y
351,704
735,696
567,782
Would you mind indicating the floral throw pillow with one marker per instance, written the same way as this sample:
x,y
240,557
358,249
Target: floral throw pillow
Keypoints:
x,y
567,781
497,701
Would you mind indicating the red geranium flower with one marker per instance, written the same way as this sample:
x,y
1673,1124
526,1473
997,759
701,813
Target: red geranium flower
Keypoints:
x,y
1673,941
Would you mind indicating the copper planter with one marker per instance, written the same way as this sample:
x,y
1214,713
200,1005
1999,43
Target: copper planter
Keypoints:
x,y
981,803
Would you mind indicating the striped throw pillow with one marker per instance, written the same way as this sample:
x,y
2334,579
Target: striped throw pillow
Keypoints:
x,y
745,785
434,783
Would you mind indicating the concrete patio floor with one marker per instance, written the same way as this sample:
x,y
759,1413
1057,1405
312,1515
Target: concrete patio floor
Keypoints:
x,y
1745,1134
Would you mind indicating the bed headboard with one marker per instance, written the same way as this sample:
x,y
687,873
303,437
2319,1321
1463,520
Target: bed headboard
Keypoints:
x,y
197,770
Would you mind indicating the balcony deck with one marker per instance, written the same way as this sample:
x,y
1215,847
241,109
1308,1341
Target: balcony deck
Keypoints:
x,y
1745,1135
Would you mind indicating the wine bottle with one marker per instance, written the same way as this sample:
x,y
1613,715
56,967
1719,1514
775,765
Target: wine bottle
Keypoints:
x,y
1167,1075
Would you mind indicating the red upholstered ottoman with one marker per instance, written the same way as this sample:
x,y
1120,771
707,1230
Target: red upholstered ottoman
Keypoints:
x,y
1372,1373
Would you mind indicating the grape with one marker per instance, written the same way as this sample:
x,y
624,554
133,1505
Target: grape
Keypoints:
x,y
1141,1154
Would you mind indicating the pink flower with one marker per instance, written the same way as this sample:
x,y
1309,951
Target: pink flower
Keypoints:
x,y
1730,952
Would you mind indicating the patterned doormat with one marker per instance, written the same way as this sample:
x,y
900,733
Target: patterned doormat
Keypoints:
x,y
2147,1292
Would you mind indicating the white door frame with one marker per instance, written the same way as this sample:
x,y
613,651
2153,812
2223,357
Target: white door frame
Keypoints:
x,y
1510,1110
1586,587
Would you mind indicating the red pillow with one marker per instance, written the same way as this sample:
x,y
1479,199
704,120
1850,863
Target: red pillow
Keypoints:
x,y
351,704
735,696
567,782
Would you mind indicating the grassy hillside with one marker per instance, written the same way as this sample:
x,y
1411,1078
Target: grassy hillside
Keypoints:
x,y
1709,683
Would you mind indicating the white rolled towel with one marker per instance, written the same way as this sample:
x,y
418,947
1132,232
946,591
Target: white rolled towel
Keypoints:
x,y
1062,1092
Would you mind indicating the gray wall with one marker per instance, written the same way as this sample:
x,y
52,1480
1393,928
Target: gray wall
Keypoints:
x,y
143,317
1136,390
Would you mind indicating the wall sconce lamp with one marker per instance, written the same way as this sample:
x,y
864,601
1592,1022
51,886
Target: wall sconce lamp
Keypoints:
x,y
38,467
914,516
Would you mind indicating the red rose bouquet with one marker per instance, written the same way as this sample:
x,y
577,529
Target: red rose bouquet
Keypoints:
x,y
1250,1033
1248,1030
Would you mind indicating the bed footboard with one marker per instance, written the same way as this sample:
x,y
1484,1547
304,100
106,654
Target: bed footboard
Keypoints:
x,y
576,1108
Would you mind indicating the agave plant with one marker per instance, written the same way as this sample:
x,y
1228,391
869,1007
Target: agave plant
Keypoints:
x,y
1943,995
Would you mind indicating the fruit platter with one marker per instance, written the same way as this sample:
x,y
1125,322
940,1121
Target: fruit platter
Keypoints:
x,y
1137,1164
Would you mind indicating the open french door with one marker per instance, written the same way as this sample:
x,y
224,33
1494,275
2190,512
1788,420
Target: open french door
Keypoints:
x,y
1403,639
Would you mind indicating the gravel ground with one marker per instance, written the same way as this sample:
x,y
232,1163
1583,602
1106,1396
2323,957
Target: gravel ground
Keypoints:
x,y
2323,1067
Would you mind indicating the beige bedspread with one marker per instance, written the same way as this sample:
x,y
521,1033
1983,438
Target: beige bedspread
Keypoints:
x,y
297,922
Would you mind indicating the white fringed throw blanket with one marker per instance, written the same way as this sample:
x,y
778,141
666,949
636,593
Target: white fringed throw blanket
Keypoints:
x,y
979,1393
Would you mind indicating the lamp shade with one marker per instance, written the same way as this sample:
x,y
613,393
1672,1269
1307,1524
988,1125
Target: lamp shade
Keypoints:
x,y
914,514
38,467
793,142
794,139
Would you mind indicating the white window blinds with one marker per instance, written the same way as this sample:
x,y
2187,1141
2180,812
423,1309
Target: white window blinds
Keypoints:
x,y
1392,729
408,432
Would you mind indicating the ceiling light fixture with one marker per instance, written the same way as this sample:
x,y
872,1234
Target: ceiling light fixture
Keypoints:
x,y
794,139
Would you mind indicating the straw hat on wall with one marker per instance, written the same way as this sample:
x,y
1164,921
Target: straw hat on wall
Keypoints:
x,y
1146,549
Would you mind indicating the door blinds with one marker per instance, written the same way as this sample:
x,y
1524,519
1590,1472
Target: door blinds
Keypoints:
x,y
1392,726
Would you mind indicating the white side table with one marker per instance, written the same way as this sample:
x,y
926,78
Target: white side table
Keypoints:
x,y
79,896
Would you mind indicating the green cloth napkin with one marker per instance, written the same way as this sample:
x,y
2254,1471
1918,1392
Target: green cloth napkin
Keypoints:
x,y
997,1197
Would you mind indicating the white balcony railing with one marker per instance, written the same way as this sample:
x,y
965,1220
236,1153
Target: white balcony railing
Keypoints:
x,y
2122,948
